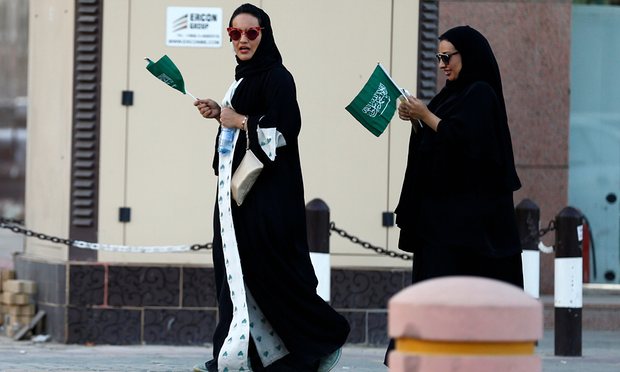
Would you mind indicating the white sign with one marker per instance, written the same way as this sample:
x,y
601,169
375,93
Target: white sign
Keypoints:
x,y
194,27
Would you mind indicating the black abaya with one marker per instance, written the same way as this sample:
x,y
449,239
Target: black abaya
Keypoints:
x,y
270,225
270,229
457,191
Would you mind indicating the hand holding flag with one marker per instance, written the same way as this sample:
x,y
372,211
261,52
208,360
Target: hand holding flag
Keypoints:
x,y
166,71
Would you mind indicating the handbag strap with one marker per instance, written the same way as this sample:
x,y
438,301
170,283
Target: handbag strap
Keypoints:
x,y
247,135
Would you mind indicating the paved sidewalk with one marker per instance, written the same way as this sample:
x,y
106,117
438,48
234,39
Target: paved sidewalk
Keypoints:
x,y
601,353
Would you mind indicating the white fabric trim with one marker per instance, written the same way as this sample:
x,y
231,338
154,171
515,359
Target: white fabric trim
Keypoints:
x,y
322,265
234,353
248,320
227,100
268,344
270,139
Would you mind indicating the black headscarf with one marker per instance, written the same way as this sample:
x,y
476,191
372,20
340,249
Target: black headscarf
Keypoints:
x,y
479,64
478,60
267,54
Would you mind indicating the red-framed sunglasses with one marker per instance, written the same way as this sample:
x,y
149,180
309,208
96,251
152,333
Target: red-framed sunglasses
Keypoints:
x,y
236,33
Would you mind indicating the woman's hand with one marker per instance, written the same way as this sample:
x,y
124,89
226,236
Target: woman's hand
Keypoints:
x,y
414,109
208,108
231,119
403,111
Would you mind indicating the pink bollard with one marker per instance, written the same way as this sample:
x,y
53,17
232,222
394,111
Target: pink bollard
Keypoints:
x,y
464,324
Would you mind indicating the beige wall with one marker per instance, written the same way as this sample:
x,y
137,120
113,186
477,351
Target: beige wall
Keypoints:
x,y
50,87
356,174
156,155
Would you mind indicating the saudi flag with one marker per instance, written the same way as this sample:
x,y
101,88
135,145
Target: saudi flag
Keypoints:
x,y
375,104
166,71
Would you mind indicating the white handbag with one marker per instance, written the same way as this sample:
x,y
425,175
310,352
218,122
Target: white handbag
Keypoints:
x,y
246,173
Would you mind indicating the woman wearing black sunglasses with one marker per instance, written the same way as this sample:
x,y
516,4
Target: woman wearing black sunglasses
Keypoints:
x,y
270,315
456,211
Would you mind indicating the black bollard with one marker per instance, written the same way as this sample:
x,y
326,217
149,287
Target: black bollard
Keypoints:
x,y
568,282
528,223
317,223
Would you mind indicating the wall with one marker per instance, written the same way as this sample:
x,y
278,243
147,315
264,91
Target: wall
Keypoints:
x,y
50,95
123,304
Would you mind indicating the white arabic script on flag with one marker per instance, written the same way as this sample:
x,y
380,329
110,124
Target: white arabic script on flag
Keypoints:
x,y
378,103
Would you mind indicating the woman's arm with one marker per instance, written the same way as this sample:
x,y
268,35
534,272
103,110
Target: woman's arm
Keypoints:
x,y
231,119
472,122
282,107
280,123
208,108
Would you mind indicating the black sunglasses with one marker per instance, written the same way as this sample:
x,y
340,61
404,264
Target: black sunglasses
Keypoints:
x,y
445,57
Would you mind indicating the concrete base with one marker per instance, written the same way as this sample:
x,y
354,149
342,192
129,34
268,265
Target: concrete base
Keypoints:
x,y
400,362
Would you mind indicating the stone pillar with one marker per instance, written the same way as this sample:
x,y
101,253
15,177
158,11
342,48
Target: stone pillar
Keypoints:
x,y
464,324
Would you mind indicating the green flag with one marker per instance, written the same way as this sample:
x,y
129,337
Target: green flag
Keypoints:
x,y
375,104
166,71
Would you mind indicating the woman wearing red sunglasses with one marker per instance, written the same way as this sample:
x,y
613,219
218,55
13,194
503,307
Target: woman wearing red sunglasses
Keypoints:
x,y
270,315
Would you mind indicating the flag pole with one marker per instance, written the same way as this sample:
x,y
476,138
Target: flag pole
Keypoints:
x,y
191,95
402,90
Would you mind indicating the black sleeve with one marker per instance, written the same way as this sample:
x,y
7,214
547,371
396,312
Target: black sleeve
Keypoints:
x,y
471,125
282,112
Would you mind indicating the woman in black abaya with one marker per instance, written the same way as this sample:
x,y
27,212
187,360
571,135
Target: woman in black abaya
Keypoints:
x,y
456,211
270,316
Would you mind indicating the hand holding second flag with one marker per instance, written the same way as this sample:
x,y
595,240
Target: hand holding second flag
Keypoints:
x,y
208,108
